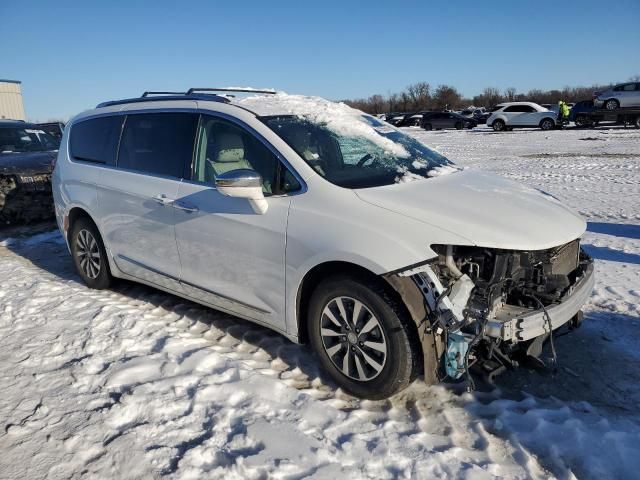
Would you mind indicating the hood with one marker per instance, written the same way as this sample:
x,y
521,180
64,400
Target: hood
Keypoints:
x,y
486,209
29,163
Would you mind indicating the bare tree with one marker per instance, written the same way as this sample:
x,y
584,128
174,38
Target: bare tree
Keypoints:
x,y
489,97
510,94
447,97
420,96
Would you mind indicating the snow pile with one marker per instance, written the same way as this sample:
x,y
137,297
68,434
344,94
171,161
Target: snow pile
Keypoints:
x,y
337,117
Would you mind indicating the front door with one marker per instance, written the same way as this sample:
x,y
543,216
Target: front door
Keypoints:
x,y
232,257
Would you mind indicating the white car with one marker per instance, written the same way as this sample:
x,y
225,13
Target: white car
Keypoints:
x,y
324,224
507,116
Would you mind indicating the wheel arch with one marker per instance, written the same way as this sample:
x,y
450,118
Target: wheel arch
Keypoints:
x,y
330,268
72,216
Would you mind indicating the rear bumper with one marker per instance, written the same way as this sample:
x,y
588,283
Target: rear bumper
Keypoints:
x,y
534,323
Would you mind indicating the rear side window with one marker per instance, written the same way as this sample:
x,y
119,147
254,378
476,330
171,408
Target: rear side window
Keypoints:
x,y
96,140
158,143
520,109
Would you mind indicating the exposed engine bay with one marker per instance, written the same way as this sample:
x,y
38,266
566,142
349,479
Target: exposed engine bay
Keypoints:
x,y
493,307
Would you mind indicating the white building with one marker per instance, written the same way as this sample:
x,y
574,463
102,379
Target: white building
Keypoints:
x,y
11,106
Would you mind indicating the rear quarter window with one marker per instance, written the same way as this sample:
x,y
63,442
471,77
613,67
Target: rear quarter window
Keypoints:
x,y
96,140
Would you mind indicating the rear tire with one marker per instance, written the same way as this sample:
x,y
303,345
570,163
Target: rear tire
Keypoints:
x,y
612,104
89,254
373,356
498,126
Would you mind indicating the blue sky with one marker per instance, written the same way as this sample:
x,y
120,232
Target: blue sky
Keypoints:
x,y
72,55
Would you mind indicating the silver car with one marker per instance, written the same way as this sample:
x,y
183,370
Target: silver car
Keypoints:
x,y
623,95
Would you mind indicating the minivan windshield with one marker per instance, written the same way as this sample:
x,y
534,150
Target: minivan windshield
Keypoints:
x,y
374,155
22,140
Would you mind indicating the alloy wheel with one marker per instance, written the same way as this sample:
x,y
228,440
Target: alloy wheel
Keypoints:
x,y
611,105
353,338
88,254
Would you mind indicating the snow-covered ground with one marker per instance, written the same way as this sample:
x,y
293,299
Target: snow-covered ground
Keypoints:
x,y
136,383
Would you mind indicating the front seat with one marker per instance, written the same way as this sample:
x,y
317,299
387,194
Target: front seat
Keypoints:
x,y
228,154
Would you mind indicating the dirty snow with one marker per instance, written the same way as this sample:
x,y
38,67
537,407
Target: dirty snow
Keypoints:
x,y
135,383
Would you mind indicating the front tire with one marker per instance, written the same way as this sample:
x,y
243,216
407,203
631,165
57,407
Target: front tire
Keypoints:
x,y
361,337
89,254
612,104
428,126
547,124
498,126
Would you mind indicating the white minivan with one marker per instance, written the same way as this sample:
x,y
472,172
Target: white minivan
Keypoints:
x,y
324,224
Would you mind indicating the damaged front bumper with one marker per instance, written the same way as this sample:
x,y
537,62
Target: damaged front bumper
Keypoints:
x,y
518,325
488,313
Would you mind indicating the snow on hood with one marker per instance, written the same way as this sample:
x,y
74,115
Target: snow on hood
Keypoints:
x,y
405,175
487,210
335,116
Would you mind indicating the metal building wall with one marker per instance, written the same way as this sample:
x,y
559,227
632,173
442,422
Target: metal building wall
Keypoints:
x,y
11,105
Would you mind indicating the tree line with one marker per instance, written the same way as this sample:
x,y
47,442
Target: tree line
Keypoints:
x,y
422,96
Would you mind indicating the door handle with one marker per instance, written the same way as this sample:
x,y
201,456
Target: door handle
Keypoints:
x,y
162,199
185,207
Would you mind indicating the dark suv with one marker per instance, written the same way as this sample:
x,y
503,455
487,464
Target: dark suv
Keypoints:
x,y
27,155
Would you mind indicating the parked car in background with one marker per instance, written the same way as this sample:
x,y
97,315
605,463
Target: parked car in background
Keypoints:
x,y
578,111
509,115
27,155
444,120
54,129
480,115
396,119
621,96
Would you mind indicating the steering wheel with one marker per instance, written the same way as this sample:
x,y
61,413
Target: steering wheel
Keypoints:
x,y
364,159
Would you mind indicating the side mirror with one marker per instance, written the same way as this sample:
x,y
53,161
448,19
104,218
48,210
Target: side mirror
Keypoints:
x,y
243,183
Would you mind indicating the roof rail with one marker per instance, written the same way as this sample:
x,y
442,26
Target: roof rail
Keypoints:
x,y
191,94
166,97
270,91
146,94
